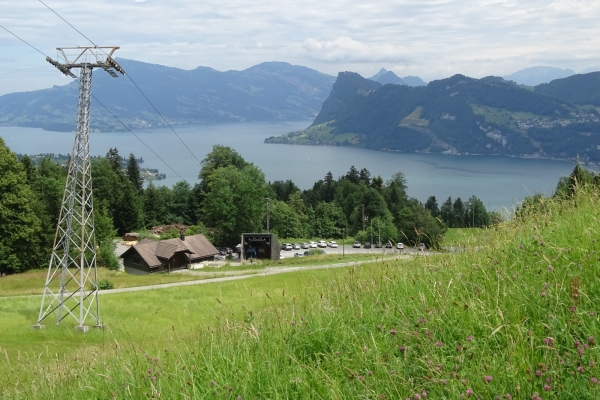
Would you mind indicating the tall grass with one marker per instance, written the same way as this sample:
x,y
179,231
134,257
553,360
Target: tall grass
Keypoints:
x,y
515,317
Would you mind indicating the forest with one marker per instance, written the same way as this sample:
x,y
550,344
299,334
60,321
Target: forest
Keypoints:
x,y
229,199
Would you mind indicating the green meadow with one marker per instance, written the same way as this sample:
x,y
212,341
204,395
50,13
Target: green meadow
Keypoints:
x,y
514,316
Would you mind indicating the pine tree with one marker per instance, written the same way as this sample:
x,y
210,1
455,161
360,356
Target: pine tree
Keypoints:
x,y
432,205
133,173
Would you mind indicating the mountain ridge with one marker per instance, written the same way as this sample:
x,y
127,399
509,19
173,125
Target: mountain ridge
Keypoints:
x,y
270,91
456,115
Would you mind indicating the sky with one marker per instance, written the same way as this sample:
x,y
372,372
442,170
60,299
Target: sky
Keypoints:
x,y
432,39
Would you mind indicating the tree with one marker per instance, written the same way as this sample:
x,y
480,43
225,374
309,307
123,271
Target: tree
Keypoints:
x,y
129,209
447,213
328,221
353,175
458,208
365,176
432,205
219,157
133,173
580,177
115,161
284,222
20,225
235,202
180,203
476,216
284,189
417,225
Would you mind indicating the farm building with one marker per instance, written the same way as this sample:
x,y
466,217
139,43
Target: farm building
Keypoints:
x,y
149,256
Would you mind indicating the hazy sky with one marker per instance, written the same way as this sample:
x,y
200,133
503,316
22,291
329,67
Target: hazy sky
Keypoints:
x,y
429,38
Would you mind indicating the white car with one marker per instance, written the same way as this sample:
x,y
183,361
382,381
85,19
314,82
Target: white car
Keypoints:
x,y
313,245
288,246
333,244
400,246
322,243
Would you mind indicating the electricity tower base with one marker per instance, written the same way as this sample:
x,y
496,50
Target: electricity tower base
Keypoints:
x,y
99,326
38,326
82,328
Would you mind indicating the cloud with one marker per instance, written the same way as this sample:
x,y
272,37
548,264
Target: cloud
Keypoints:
x,y
345,49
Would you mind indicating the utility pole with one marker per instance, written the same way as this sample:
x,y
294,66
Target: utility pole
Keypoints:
x,y
363,216
343,242
371,232
268,212
72,264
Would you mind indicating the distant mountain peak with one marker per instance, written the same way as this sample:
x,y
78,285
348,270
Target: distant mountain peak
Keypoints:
x,y
378,75
533,76
385,76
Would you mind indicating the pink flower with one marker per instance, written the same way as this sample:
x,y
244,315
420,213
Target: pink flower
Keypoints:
x,y
393,332
439,344
470,338
293,323
546,388
488,378
594,380
543,294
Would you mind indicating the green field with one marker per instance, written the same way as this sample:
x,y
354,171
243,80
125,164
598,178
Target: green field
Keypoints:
x,y
516,314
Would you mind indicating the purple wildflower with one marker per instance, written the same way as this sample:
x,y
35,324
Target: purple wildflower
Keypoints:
x,y
378,327
594,380
543,294
550,268
293,323
469,392
521,247
538,373
393,332
402,349
547,388
488,378
439,344
470,338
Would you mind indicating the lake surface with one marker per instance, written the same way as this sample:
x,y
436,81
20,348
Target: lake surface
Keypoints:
x,y
498,181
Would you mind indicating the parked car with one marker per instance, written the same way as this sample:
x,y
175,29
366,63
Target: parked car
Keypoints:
x,y
400,246
288,246
356,245
367,245
313,245
295,246
378,245
305,245
422,246
322,244
333,244
388,245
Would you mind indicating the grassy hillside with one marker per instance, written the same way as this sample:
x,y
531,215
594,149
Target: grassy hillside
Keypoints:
x,y
514,316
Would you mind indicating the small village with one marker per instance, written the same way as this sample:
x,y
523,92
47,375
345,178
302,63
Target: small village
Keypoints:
x,y
579,117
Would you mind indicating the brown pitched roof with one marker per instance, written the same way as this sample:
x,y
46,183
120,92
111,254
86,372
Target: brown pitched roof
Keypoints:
x,y
165,249
197,244
197,247
146,248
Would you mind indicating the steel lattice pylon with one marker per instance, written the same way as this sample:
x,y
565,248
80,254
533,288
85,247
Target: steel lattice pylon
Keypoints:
x,y
71,284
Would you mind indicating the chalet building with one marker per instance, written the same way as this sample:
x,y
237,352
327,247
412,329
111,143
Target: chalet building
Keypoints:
x,y
150,256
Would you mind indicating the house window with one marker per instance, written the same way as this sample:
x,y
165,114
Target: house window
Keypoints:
x,y
137,260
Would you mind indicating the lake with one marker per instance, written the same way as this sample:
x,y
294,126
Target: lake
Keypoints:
x,y
498,181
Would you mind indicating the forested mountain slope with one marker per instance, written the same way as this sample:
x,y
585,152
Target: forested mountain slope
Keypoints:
x,y
270,91
457,115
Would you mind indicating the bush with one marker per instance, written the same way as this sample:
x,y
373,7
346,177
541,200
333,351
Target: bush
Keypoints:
x,y
106,257
104,284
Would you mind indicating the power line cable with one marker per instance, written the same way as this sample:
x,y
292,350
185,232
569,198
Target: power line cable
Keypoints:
x,y
68,23
49,23
110,112
138,138
132,81
23,40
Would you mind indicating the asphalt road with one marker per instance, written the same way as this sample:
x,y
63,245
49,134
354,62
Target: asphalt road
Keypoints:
x,y
348,249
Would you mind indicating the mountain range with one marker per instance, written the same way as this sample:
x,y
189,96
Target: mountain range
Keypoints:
x,y
461,115
270,91
534,76
384,77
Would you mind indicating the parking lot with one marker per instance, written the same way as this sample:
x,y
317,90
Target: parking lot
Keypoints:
x,y
348,249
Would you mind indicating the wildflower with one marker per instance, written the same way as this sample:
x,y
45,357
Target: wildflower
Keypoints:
x,y
594,380
470,338
591,339
213,383
439,344
156,360
521,247
538,373
488,378
378,327
370,373
392,372
149,371
547,388
417,396
549,341
293,323
421,320
360,378
508,396
154,378
577,344
550,268
365,348
543,294
580,369
393,332
402,349
337,353
382,397
591,313
469,392
239,398
424,394
572,309
444,381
